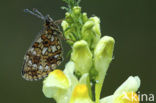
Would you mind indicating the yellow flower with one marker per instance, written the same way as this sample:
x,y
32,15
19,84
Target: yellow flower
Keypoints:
x,y
62,85
58,75
126,93
55,85
82,57
59,84
80,94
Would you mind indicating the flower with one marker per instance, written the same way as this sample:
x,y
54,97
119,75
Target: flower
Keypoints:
x,y
82,57
77,26
58,84
90,57
126,93
80,94
91,31
102,57
63,86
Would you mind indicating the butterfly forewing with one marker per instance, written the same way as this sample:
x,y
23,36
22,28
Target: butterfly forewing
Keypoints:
x,y
44,55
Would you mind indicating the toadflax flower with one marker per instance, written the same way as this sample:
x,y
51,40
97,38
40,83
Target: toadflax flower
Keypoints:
x,y
90,57
126,93
81,56
91,31
102,57
77,26
80,94
64,87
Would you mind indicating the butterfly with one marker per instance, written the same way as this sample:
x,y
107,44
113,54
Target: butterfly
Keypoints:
x,y
45,53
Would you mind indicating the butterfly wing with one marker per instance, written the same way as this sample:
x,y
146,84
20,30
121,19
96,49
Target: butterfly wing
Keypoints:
x,y
43,56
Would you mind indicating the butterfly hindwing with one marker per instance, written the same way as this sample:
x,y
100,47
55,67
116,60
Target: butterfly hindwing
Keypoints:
x,y
44,55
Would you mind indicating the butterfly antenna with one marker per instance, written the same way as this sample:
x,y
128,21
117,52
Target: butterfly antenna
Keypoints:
x,y
37,14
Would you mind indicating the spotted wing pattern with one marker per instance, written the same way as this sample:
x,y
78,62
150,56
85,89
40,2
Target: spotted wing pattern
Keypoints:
x,y
44,55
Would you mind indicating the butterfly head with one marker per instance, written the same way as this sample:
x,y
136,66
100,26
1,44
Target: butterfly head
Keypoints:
x,y
48,20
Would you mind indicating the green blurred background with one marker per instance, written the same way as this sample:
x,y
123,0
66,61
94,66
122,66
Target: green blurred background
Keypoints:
x,y
131,22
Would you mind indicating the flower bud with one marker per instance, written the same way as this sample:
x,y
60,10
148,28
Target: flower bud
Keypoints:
x,y
84,17
91,31
77,10
64,25
68,17
102,57
81,56
103,54
96,28
67,32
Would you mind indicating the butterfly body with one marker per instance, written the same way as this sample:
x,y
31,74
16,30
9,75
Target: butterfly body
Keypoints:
x,y
45,54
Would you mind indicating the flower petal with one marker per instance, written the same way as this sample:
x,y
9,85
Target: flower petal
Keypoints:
x,y
59,85
127,97
69,72
80,94
84,79
132,84
108,99
55,85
